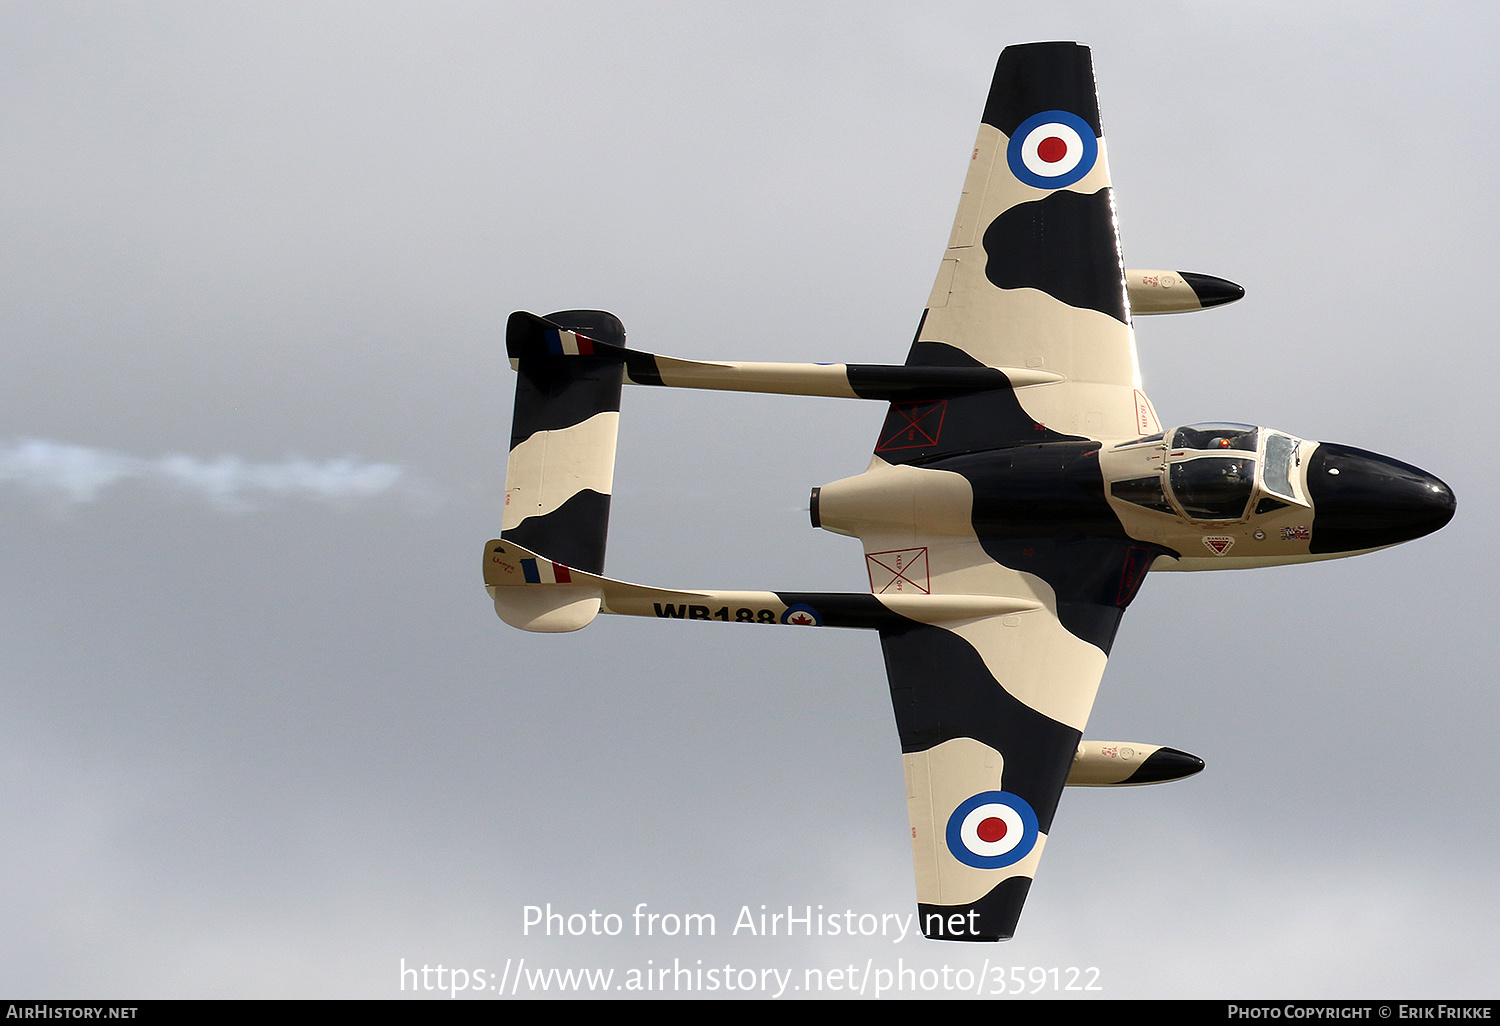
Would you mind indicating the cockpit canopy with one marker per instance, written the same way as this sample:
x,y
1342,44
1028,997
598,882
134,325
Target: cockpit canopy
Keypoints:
x,y
1241,437
1212,472
1212,487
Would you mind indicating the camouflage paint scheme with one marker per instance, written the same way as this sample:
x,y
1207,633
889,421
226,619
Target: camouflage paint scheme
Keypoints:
x,y
1020,490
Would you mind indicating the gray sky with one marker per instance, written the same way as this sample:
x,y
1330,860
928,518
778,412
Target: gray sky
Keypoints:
x,y
261,733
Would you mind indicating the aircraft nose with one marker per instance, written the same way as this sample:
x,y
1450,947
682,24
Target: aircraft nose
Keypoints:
x,y
1362,500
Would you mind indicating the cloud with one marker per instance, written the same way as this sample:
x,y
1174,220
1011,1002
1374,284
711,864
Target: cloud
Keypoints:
x,y
78,474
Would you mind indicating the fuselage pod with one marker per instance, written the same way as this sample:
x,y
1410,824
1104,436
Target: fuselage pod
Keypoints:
x,y
1201,497
1226,495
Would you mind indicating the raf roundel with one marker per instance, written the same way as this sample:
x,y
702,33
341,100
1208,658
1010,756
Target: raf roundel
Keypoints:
x,y
992,830
802,615
1052,149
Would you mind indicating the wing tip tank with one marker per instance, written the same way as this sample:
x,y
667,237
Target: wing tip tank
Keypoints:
x,y
1160,292
1212,291
1166,764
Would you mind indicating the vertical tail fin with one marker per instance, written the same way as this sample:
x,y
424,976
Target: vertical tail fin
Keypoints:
x,y
562,454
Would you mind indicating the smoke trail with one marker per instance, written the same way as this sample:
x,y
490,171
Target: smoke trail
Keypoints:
x,y
80,474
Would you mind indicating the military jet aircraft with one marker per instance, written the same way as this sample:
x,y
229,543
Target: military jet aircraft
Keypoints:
x,y
1020,489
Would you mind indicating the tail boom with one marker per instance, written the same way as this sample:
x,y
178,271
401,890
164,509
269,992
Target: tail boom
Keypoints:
x,y
524,585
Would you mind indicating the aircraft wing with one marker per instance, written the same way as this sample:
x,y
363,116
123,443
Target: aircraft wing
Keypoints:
x,y
1033,276
991,710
